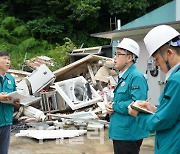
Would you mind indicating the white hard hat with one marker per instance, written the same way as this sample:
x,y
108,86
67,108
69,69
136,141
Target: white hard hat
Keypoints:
x,y
159,36
130,45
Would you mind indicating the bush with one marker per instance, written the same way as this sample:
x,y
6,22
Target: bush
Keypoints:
x,y
9,23
20,31
60,54
28,44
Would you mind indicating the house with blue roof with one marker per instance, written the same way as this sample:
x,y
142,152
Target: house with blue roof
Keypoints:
x,y
168,14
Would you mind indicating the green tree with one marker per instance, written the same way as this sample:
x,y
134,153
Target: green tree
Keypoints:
x,y
53,20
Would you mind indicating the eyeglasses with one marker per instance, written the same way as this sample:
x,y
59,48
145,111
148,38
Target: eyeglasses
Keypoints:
x,y
120,54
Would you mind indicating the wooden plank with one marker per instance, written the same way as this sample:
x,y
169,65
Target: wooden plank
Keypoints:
x,y
74,67
91,74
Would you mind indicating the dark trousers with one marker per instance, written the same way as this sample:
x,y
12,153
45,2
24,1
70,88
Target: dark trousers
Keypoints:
x,y
127,147
4,139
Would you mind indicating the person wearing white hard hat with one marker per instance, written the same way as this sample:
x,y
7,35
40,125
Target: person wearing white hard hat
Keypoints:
x,y
127,136
163,43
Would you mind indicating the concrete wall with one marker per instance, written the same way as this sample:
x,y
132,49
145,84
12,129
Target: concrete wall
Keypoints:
x,y
154,88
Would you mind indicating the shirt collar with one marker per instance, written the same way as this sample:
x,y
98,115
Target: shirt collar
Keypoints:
x,y
126,70
121,73
171,70
3,75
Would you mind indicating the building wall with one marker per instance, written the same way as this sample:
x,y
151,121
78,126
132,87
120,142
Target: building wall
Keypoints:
x,y
154,88
177,10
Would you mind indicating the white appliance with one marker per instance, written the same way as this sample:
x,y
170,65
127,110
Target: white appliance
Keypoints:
x,y
39,79
75,92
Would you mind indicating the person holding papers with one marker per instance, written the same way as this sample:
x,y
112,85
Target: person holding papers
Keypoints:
x,y
7,85
127,136
163,43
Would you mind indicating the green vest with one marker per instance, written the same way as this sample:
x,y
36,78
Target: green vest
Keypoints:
x,y
6,110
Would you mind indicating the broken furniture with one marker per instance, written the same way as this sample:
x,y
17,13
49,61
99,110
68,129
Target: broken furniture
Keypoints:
x,y
80,68
36,62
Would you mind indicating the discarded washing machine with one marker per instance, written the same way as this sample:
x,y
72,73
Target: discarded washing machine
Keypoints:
x,y
77,92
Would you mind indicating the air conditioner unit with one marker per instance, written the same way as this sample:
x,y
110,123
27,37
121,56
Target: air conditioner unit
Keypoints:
x,y
39,79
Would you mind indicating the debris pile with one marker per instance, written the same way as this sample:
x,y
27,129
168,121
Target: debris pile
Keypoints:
x,y
34,63
73,96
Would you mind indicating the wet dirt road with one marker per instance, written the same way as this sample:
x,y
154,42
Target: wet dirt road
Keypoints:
x,y
87,144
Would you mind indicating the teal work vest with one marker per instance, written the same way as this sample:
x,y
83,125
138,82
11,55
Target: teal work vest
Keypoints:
x,y
132,86
6,110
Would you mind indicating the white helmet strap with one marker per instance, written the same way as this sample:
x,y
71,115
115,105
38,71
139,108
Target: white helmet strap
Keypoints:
x,y
166,61
133,55
134,58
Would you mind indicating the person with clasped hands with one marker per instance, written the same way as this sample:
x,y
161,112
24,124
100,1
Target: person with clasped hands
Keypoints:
x,y
163,43
7,85
127,136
